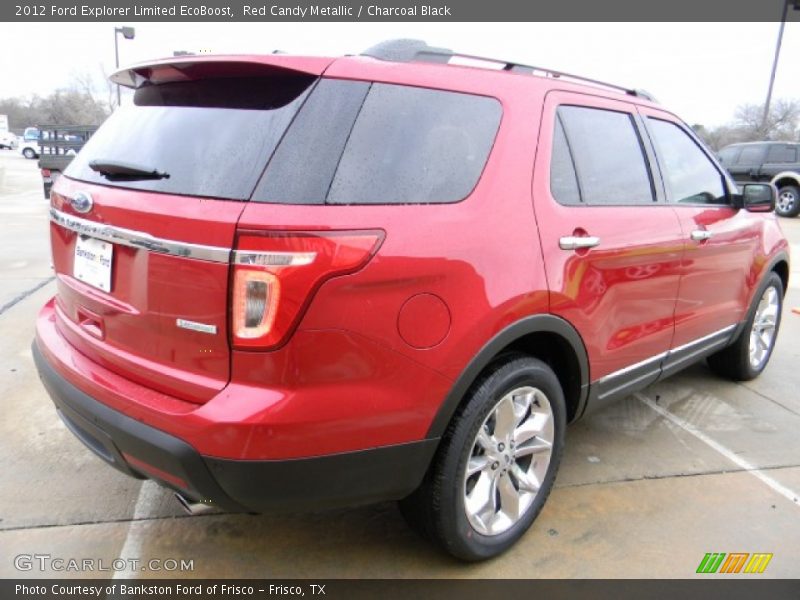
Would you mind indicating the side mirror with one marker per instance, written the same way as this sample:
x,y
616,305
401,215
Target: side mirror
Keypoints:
x,y
759,197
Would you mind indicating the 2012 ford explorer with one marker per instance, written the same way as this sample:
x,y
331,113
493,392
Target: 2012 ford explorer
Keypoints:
x,y
293,282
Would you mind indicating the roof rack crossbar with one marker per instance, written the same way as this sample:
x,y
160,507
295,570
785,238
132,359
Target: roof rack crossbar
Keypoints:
x,y
418,50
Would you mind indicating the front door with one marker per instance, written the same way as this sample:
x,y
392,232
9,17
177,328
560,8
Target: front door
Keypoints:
x,y
721,242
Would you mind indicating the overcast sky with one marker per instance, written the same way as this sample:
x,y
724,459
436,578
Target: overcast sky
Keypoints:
x,y
701,71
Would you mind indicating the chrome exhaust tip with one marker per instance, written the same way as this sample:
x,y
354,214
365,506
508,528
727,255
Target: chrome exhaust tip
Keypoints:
x,y
193,508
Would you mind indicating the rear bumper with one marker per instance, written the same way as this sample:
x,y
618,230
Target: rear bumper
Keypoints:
x,y
143,451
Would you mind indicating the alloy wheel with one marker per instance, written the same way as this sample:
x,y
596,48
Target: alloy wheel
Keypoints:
x,y
762,334
509,460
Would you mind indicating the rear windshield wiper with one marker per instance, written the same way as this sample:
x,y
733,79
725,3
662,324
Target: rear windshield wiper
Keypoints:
x,y
115,169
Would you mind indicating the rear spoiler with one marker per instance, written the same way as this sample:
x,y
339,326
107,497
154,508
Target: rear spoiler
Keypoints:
x,y
190,68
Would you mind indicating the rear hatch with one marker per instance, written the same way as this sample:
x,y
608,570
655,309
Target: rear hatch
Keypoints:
x,y
143,222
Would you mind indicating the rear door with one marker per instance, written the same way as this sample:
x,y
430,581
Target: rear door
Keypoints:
x,y
721,241
143,219
612,248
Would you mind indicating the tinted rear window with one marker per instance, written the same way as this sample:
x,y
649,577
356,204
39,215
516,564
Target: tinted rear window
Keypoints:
x,y
355,143
213,136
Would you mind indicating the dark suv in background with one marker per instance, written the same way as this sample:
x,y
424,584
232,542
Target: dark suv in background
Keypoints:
x,y
773,162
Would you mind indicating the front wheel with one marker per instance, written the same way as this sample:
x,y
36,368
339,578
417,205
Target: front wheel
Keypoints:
x,y
788,203
749,354
496,463
28,153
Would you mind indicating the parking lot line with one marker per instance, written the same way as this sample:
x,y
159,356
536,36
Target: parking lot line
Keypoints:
x,y
132,546
25,294
790,495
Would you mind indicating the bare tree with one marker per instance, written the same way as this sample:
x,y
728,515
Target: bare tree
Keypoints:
x,y
77,104
783,124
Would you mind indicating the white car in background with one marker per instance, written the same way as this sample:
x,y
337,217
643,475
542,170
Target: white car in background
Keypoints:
x,y
8,140
29,143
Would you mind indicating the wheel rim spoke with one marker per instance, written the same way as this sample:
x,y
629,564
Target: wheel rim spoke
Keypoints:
x,y
485,440
509,498
531,428
476,465
481,497
527,482
505,419
535,446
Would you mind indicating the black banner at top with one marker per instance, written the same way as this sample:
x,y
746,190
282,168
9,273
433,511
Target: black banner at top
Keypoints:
x,y
398,10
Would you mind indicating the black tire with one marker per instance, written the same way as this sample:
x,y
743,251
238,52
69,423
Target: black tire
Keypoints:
x,y
788,204
734,362
28,153
437,508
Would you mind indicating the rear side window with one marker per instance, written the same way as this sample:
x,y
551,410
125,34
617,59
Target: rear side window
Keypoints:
x,y
751,155
690,175
359,143
608,156
782,154
212,136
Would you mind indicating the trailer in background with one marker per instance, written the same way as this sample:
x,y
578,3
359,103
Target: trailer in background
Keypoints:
x,y
57,145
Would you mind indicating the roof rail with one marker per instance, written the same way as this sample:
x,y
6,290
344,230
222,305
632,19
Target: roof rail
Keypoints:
x,y
410,50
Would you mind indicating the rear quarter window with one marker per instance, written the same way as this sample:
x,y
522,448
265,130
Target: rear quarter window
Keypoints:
x,y
782,154
413,145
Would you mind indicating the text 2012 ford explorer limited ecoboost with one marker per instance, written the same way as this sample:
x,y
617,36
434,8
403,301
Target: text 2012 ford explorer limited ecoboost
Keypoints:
x,y
308,282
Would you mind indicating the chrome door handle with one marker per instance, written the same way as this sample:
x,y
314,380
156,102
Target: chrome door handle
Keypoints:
x,y
699,235
572,242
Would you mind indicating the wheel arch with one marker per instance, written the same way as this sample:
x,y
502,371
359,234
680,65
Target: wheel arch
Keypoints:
x,y
780,265
786,178
546,337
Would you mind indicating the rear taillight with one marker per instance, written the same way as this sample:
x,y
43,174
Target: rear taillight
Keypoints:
x,y
45,172
276,274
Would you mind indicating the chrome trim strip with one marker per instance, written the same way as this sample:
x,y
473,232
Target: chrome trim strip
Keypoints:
x,y
139,239
632,367
266,258
702,339
664,355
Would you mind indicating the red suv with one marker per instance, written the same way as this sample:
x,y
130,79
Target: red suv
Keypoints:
x,y
311,282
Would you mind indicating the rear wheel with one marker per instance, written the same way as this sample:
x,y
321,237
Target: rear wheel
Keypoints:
x,y
496,463
788,203
749,354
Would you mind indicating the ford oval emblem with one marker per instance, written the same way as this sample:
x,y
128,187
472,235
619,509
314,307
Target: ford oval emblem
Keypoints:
x,y
82,202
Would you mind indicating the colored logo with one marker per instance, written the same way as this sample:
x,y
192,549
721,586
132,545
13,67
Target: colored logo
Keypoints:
x,y
735,562
81,202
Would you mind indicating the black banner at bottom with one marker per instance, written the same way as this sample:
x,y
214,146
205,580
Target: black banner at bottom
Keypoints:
x,y
385,589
